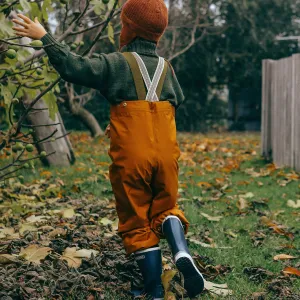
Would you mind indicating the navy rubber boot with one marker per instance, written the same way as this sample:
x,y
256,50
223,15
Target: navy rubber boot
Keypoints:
x,y
174,233
150,264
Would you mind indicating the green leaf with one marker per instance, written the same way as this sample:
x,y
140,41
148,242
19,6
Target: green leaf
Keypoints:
x,y
35,11
6,27
25,5
50,100
6,94
111,33
99,7
46,8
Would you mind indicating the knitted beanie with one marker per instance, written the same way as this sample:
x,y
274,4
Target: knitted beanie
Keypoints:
x,y
147,19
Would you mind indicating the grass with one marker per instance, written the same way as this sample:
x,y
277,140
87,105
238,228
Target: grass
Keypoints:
x,y
214,175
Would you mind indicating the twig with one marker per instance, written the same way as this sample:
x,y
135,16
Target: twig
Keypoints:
x,y
94,26
26,46
103,28
36,157
43,125
13,163
31,105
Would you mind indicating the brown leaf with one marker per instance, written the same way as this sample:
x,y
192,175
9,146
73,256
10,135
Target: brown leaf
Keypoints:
x,y
291,271
259,295
68,256
34,253
283,257
166,279
6,259
57,232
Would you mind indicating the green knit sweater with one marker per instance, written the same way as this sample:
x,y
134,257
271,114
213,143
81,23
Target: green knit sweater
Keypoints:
x,y
110,73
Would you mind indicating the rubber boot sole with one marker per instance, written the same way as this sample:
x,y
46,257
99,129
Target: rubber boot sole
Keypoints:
x,y
193,279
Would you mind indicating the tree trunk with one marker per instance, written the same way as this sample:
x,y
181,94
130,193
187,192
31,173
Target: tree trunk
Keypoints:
x,y
77,109
88,120
63,153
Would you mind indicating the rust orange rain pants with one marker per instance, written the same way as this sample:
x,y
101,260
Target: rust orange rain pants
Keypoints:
x,y
144,172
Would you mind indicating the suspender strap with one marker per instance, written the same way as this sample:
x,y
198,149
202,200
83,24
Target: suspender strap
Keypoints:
x,y
137,76
162,80
141,75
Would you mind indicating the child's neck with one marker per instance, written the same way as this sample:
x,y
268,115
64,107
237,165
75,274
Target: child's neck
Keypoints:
x,y
141,46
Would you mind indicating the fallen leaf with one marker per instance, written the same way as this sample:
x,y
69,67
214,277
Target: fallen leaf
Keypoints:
x,y
56,232
27,227
206,184
213,245
105,221
68,256
248,195
85,253
34,253
166,279
8,233
242,204
37,219
291,271
217,289
293,204
259,295
283,257
6,259
170,296
210,218
68,213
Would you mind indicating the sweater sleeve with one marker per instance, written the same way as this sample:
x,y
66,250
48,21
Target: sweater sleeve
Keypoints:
x,y
89,72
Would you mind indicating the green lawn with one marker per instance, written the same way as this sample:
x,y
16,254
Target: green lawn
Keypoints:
x,y
220,175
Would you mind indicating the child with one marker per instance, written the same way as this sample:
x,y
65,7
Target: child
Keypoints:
x,y
144,150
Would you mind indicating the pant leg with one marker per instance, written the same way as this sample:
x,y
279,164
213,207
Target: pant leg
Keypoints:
x,y
133,199
131,173
165,179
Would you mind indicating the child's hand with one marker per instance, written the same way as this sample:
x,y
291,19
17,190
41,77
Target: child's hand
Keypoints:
x,y
33,30
107,131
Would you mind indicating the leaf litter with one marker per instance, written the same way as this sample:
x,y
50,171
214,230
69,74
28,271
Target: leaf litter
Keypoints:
x,y
81,228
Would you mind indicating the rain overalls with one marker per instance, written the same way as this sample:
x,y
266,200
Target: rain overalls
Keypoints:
x,y
144,153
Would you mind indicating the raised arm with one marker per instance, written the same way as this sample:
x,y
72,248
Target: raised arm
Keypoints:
x,y
71,67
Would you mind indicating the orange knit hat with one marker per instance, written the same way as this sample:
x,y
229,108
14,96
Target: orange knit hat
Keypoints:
x,y
147,19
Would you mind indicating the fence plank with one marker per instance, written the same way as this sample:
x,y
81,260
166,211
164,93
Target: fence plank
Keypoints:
x,y
281,110
266,109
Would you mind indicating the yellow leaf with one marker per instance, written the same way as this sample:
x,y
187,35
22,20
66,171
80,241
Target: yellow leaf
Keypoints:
x,y
6,259
210,218
34,253
166,279
27,227
68,213
213,245
283,257
106,221
293,204
68,256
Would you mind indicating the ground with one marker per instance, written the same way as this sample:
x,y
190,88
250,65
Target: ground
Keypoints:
x,y
243,225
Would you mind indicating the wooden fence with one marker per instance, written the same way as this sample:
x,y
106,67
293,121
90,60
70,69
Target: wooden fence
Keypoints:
x,y
281,111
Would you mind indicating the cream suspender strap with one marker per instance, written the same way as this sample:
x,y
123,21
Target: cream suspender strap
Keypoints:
x,y
151,86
